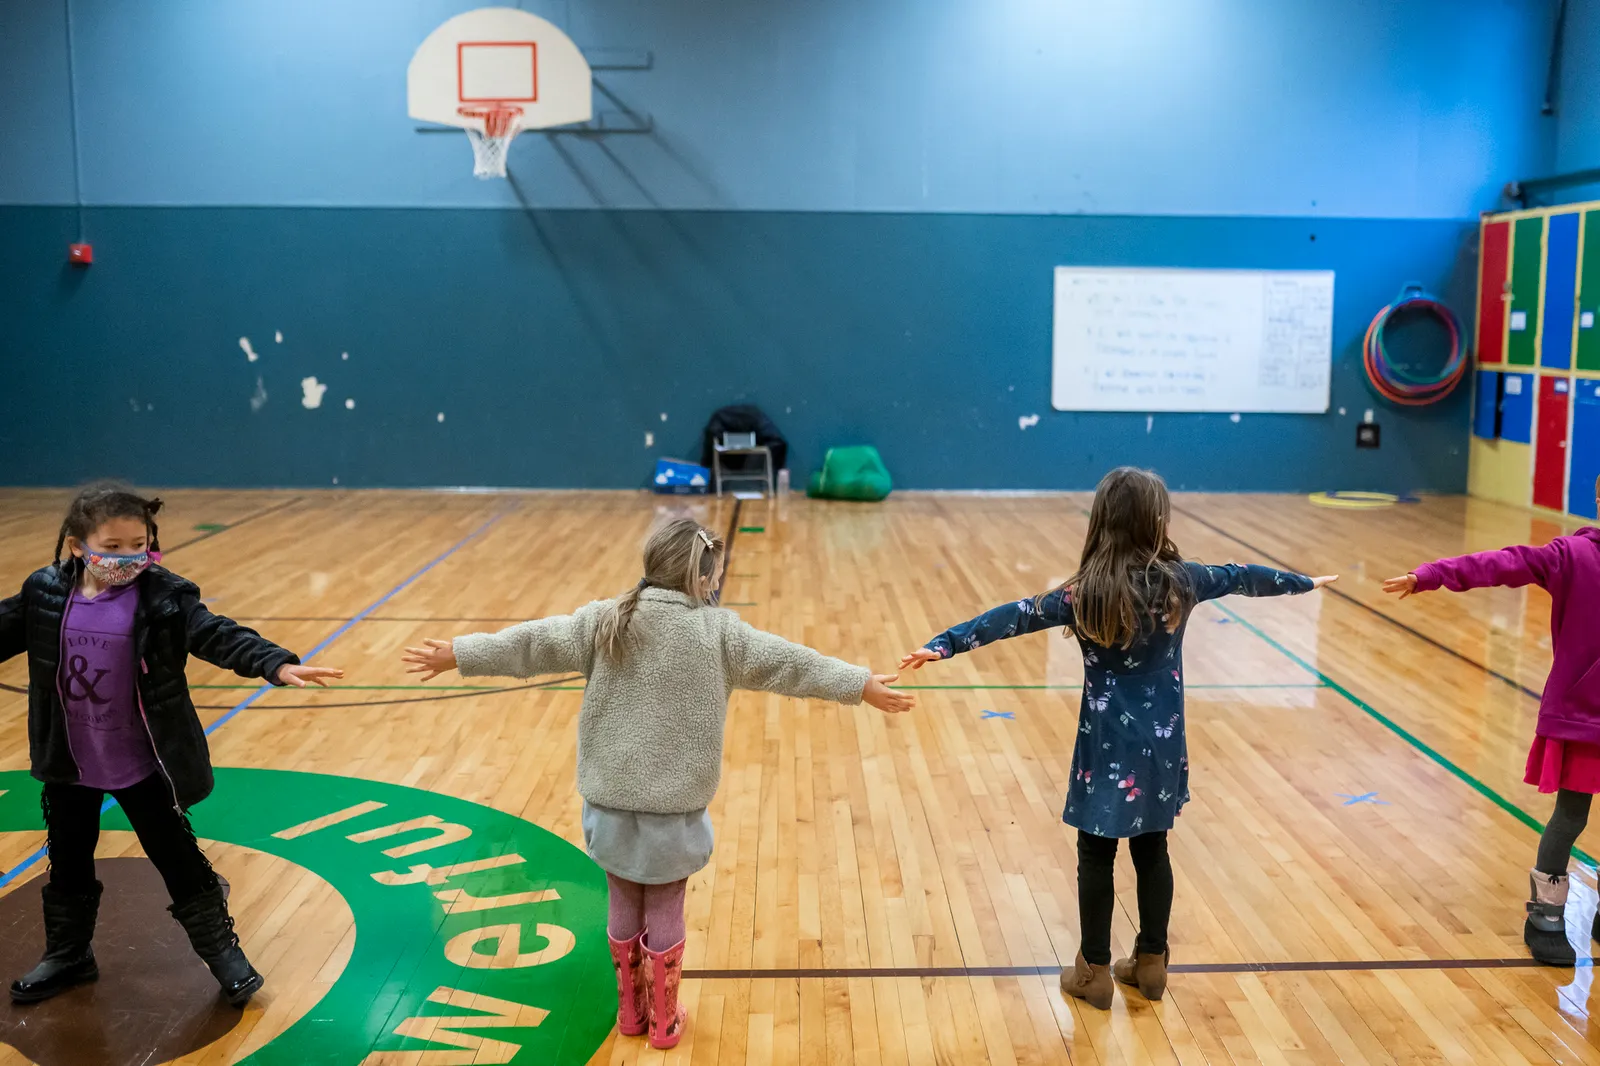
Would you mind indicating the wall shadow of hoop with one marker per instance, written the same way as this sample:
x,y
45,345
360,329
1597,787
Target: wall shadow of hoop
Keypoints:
x,y
155,1001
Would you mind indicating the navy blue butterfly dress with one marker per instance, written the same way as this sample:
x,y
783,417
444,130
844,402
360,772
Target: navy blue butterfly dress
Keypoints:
x,y
1130,767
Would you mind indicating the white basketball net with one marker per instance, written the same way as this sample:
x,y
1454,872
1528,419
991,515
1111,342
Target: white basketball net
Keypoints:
x,y
489,145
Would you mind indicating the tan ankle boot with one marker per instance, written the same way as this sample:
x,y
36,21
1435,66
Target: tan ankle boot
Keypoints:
x,y
1147,973
1089,983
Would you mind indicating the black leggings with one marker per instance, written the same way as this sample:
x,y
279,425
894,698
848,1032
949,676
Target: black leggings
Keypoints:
x,y
1097,896
1561,831
72,820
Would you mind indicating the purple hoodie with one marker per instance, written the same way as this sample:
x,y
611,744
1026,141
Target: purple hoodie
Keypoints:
x,y
1569,569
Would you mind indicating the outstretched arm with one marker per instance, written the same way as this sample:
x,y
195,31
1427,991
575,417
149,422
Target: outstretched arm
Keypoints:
x,y
765,662
1053,611
223,642
1513,567
560,645
1233,579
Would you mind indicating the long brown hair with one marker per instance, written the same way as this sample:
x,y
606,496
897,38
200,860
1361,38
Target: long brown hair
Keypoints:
x,y
1131,577
681,556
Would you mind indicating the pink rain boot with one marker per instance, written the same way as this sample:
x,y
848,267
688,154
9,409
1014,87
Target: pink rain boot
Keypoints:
x,y
633,1004
667,1018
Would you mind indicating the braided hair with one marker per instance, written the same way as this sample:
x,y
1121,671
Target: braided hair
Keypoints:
x,y
99,503
681,555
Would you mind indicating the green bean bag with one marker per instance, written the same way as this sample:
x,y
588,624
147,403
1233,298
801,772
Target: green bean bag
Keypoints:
x,y
855,473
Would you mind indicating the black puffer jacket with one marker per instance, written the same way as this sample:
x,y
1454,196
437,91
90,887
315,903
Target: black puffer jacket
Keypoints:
x,y
169,624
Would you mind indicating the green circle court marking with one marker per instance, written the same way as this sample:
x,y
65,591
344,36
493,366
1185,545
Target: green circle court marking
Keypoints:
x,y
480,937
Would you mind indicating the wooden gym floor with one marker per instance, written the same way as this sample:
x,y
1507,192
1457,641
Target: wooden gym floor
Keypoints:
x,y
1350,875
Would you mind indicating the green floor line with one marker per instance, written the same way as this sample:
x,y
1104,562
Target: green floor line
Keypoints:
x,y
1074,688
418,688
1405,734
379,688
920,688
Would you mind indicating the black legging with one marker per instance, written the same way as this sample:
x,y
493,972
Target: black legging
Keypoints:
x,y
72,820
1561,831
1097,896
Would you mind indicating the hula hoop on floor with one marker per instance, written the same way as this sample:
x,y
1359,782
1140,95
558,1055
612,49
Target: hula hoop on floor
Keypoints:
x,y
1359,501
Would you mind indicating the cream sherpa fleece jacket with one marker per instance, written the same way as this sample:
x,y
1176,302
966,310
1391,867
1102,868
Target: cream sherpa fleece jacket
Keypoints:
x,y
650,731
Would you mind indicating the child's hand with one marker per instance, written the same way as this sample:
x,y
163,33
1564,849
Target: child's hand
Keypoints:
x,y
886,699
1405,585
915,660
431,661
289,674
1319,582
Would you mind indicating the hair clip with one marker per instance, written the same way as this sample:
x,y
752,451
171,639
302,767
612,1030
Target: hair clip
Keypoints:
x,y
711,544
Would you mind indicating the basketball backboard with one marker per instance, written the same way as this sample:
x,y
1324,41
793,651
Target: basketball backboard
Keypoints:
x,y
498,56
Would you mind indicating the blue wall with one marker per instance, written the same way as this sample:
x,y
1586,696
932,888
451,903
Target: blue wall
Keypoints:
x,y
848,213
554,341
1578,106
1364,108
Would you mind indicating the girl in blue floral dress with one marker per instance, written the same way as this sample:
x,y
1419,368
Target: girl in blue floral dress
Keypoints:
x,y
1128,606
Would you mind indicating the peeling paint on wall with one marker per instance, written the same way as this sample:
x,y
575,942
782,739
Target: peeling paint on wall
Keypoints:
x,y
258,399
1027,420
249,352
311,391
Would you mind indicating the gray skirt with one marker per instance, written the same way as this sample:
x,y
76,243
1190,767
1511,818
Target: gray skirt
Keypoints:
x,y
649,849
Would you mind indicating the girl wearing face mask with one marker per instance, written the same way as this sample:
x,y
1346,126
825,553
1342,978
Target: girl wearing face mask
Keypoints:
x,y
107,633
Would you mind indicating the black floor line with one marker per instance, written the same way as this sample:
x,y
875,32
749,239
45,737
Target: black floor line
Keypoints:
x,y
369,618
274,509
1177,968
727,541
551,683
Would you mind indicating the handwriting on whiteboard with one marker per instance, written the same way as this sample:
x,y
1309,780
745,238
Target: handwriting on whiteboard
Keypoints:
x,y
1192,340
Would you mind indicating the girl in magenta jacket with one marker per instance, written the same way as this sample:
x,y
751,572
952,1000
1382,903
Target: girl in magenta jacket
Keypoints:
x,y
1565,757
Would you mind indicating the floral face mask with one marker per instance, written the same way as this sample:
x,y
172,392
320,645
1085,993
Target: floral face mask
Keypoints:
x,y
116,569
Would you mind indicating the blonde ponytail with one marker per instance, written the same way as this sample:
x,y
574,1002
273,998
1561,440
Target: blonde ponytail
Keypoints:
x,y
680,556
613,624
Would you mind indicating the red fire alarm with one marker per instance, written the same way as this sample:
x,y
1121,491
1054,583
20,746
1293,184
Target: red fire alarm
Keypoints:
x,y
80,254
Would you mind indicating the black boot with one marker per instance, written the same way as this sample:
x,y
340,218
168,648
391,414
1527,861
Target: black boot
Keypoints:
x,y
1545,931
205,918
68,957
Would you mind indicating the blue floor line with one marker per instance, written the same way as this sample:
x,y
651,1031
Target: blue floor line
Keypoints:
x,y
352,621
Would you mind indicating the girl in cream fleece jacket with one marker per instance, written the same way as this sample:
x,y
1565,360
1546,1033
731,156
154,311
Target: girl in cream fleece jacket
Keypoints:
x,y
661,663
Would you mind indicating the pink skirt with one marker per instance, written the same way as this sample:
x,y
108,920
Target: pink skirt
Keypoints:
x,y
1570,764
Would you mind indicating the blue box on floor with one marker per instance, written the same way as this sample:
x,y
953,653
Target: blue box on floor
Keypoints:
x,y
680,478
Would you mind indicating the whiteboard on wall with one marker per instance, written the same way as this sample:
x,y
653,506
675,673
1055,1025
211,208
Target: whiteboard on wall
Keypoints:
x,y
1139,339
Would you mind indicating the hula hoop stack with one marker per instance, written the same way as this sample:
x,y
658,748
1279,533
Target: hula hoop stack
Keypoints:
x,y
1399,386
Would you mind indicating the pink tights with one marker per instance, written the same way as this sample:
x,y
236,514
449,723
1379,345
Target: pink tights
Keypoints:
x,y
658,908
